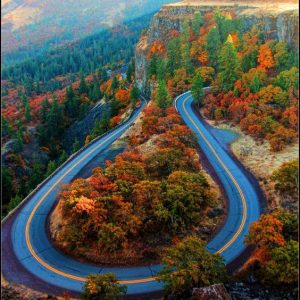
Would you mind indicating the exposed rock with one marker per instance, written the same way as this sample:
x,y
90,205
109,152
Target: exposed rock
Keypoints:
x,y
213,292
19,292
80,129
278,21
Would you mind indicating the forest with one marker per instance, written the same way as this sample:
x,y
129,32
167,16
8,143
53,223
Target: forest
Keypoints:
x,y
254,78
158,184
120,208
73,79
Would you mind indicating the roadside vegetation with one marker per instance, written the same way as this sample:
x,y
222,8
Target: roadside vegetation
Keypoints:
x,y
44,96
156,185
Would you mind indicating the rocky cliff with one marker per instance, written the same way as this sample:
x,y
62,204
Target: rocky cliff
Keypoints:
x,y
278,21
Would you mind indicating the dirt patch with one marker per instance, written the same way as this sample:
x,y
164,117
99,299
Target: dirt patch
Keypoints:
x,y
257,157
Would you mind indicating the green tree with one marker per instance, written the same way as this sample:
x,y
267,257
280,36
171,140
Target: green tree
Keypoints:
x,y
163,99
130,71
27,112
18,144
115,84
249,60
6,128
197,22
255,84
188,265
282,268
160,65
224,25
173,60
102,75
62,158
14,202
76,146
134,95
229,66
288,78
197,89
185,32
152,69
282,56
44,110
95,92
110,238
186,59
286,178
50,168
103,286
185,197
37,172
83,88
212,46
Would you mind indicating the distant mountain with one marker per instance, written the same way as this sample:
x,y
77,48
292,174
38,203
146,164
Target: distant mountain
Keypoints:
x,y
30,23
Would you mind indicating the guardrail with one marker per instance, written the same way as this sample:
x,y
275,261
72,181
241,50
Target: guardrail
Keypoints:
x,y
71,157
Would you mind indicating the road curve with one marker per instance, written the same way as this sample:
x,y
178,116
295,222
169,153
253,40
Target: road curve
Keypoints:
x,y
33,250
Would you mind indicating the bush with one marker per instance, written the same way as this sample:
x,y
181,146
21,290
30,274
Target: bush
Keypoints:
x,y
102,286
189,265
286,178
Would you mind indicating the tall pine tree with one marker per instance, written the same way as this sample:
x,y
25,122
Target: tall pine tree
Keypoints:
x,y
197,89
163,99
229,65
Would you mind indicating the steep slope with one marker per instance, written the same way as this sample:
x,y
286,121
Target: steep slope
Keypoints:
x,y
279,21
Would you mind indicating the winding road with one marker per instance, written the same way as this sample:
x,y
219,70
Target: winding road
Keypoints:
x,y
25,242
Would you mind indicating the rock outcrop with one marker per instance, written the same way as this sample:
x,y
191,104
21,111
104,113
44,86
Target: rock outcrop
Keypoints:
x,y
213,292
278,21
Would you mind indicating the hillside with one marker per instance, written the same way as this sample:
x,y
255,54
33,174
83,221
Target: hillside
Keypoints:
x,y
28,24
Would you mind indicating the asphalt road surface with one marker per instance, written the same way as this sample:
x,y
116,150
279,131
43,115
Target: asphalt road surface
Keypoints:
x,y
33,250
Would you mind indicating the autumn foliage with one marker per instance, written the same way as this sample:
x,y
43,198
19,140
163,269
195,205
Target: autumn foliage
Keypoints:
x,y
121,208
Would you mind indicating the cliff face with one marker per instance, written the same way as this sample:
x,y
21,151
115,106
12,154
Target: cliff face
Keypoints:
x,y
278,21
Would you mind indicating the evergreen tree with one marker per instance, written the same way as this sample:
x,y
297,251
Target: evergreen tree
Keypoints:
x,y
96,93
50,168
44,110
62,158
160,71
6,128
213,44
197,89
152,69
163,99
255,84
14,202
224,25
229,65
130,71
197,22
103,75
18,145
75,146
83,89
185,32
27,112
37,172
186,59
115,84
173,56
134,94
71,104
37,87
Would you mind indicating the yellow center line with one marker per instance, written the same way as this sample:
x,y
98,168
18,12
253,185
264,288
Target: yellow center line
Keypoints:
x,y
231,177
83,279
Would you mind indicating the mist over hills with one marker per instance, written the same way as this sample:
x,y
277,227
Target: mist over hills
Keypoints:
x,y
30,24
